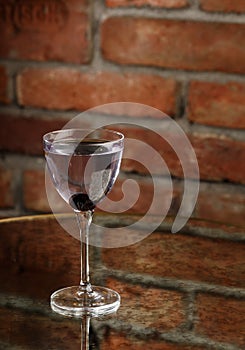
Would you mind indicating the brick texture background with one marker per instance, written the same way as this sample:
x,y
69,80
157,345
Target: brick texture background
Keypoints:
x,y
184,57
187,45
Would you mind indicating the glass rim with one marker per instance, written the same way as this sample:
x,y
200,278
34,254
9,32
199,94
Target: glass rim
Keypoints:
x,y
60,131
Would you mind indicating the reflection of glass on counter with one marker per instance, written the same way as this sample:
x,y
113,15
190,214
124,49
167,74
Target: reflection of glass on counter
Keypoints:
x,y
85,325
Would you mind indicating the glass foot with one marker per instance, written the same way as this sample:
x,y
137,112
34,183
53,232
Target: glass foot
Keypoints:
x,y
72,302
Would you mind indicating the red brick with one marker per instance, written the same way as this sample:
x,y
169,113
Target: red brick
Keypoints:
x,y
3,86
222,206
34,193
157,308
151,3
45,30
219,157
6,189
144,200
14,131
221,319
132,160
182,257
65,88
35,198
237,6
217,104
115,341
175,44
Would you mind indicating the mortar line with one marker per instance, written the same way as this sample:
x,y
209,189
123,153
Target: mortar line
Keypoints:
x,y
184,286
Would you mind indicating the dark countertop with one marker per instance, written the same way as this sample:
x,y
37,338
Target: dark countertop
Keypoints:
x,y
176,290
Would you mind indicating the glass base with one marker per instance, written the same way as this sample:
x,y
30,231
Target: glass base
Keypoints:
x,y
71,301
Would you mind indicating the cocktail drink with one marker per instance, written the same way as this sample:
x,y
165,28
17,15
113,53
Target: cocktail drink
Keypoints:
x,y
83,166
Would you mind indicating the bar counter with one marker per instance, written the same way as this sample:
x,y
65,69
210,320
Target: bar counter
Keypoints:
x,y
178,291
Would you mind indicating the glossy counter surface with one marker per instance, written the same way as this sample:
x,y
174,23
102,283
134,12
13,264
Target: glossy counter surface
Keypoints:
x,y
182,291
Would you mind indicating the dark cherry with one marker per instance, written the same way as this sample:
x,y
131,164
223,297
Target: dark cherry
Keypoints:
x,y
81,202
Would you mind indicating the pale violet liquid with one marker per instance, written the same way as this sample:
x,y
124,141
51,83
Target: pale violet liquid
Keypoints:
x,y
83,172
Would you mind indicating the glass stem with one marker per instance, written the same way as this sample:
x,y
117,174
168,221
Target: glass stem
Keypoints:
x,y
84,220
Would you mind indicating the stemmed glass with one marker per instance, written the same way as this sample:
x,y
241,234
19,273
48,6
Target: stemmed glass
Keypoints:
x,y
83,165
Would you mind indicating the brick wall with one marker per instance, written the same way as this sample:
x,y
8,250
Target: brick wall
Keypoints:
x,y
184,57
